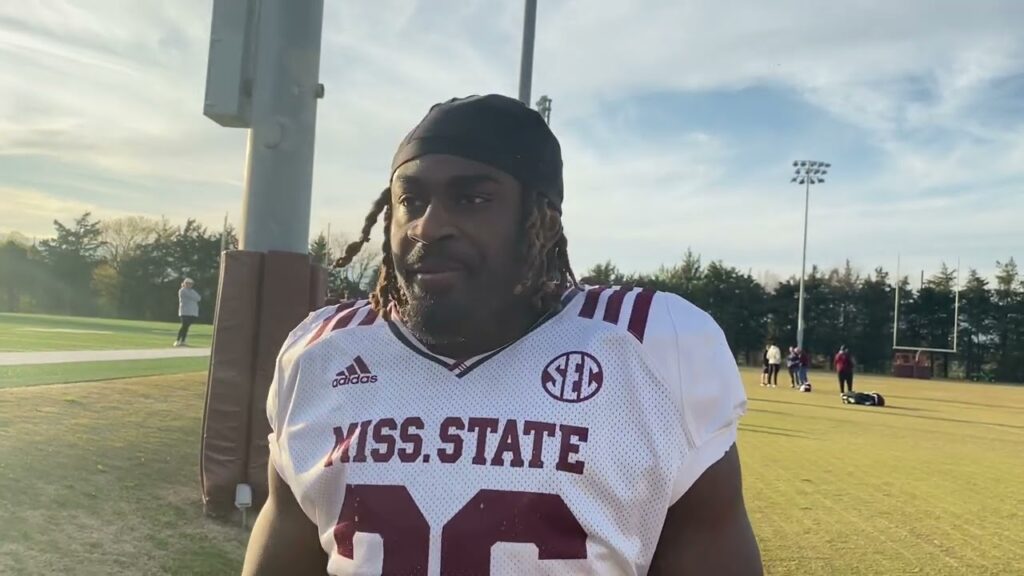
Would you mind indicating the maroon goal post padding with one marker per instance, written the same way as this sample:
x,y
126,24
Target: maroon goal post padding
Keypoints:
x,y
262,296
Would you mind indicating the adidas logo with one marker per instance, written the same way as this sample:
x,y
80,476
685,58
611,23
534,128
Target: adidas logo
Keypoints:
x,y
356,373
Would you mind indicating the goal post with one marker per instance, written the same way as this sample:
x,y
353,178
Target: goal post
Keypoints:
x,y
896,316
909,361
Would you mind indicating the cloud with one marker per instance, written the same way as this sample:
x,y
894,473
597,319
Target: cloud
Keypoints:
x,y
32,212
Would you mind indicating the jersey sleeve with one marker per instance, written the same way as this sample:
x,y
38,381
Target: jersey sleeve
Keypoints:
x,y
282,387
701,372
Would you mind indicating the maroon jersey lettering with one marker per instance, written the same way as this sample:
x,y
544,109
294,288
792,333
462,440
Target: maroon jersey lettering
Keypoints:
x,y
410,435
538,430
364,428
570,448
508,444
383,434
483,427
449,428
342,440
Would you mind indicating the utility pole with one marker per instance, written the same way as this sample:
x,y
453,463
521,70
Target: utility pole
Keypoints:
x,y
262,75
224,235
526,61
544,107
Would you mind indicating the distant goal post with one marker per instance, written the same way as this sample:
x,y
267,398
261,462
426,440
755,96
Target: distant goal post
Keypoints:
x,y
896,316
908,361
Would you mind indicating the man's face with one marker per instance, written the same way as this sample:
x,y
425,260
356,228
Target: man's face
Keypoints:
x,y
456,243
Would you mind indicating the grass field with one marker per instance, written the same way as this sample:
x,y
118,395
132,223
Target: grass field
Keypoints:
x,y
39,332
35,375
102,478
933,483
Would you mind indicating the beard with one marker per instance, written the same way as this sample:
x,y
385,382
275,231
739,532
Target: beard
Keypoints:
x,y
466,311
454,318
434,320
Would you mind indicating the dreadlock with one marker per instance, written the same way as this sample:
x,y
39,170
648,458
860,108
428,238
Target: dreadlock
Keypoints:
x,y
387,290
548,273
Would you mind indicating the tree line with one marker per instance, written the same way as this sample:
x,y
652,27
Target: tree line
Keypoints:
x,y
132,267
128,267
845,307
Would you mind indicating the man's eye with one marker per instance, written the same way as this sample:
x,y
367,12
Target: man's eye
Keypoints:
x,y
410,201
472,199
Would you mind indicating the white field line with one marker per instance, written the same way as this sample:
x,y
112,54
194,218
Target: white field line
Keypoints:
x,y
59,357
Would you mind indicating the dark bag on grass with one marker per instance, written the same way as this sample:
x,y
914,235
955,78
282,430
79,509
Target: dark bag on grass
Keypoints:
x,y
864,398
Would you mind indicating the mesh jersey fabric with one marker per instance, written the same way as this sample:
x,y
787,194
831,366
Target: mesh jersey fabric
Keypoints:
x,y
558,454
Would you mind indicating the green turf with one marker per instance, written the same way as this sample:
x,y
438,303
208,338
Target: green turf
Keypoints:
x,y
933,483
34,375
101,478
38,332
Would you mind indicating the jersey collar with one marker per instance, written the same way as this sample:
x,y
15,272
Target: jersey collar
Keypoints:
x,y
462,366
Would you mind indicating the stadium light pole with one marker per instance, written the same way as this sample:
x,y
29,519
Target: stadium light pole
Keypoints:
x,y
806,173
544,107
526,62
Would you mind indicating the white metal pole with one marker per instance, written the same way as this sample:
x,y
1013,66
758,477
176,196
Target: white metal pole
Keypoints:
x,y
330,257
526,62
224,234
279,164
956,306
896,309
803,271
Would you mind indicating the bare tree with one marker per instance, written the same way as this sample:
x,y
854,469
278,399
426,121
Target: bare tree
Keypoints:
x,y
123,237
17,238
360,275
360,271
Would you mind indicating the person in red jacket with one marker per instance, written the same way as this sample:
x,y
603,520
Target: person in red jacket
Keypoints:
x,y
844,368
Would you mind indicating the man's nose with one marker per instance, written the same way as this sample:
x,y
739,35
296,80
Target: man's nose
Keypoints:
x,y
434,225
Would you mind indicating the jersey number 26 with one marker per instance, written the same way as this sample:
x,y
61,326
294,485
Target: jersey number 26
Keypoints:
x,y
491,516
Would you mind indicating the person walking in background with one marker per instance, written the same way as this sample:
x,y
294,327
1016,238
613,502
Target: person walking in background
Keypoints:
x,y
844,368
188,309
793,365
774,356
765,369
805,363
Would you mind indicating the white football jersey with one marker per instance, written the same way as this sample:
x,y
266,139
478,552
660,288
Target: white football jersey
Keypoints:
x,y
559,453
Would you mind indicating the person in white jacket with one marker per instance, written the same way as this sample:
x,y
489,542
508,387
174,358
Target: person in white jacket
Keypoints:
x,y
188,309
774,363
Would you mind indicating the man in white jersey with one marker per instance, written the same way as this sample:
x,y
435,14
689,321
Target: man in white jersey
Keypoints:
x,y
482,414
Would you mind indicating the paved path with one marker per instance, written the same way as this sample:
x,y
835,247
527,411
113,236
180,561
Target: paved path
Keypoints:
x,y
21,358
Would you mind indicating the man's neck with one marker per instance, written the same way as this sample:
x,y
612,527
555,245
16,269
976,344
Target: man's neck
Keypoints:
x,y
500,329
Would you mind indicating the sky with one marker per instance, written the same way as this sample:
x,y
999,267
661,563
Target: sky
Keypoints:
x,y
679,120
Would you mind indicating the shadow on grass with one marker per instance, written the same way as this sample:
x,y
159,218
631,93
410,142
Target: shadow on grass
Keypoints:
x,y
957,402
771,430
764,411
888,411
907,408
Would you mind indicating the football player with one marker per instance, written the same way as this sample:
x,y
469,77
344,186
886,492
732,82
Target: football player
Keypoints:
x,y
481,413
